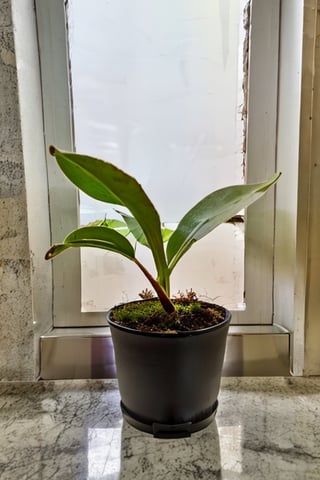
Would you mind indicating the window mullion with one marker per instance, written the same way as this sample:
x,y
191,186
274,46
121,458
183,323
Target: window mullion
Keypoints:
x,y
261,160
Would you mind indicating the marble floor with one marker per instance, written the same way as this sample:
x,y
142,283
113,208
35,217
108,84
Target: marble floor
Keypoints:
x,y
265,428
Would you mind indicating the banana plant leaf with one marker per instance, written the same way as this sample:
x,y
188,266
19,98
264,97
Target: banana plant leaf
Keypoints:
x,y
134,228
211,211
137,231
105,182
96,236
118,225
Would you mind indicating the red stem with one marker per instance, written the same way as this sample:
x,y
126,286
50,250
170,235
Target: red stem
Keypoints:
x,y
163,297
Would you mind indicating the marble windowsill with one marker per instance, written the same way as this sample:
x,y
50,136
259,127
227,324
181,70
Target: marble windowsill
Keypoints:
x,y
266,428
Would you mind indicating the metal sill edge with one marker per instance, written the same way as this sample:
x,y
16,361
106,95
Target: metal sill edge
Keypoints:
x,y
73,353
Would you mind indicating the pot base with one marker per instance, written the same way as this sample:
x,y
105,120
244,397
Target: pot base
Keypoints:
x,y
161,430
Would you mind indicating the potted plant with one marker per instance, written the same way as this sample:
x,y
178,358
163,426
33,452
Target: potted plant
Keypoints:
x,y
169,351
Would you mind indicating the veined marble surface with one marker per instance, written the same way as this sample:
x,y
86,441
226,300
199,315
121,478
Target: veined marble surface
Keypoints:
x,y
266,428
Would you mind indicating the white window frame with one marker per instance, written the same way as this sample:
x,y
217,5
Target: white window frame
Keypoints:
x,y
261,163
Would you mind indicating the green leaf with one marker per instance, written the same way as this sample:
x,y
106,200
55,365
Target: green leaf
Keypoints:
x,y
137,231
55,250
117,225
134,228
105,182
89,180
211,211
97,237
166,234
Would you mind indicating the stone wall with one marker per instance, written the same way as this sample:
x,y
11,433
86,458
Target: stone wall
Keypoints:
x,y
16,329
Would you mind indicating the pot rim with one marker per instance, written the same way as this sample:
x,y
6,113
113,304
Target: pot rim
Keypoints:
x,y
170,335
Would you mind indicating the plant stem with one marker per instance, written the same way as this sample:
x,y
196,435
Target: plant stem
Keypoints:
x,y
163,297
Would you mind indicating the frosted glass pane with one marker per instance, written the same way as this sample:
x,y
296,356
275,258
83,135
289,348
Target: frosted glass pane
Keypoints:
x,y
157,90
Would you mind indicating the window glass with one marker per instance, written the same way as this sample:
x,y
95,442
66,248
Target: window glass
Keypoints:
x,y
157,90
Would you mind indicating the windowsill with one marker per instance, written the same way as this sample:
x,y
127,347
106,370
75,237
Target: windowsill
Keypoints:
x,y
88,352
105,331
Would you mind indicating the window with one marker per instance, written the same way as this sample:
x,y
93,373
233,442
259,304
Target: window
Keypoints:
x,y
160,95
261,135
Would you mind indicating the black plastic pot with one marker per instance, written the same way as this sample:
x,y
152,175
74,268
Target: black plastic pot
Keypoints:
x,y
169,383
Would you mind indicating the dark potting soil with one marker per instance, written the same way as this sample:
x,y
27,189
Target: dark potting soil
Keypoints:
x,y
149,316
